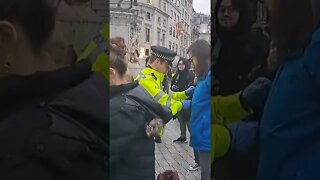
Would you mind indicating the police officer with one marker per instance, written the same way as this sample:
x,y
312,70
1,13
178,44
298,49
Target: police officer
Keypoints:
x,y
152,78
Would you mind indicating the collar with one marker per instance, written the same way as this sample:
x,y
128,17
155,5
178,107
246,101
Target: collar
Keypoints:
x,y
152,72
115,90
16,90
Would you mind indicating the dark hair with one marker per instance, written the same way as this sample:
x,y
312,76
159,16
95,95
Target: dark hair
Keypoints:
x,y
292,25
37,18
186,62
118,63
246,19
153,58
147,60
201,49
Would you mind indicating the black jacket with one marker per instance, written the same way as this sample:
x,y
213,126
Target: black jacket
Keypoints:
x,y
237,60
242,48
181,81
53,125
131,151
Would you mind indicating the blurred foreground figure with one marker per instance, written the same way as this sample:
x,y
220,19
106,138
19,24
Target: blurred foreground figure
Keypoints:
x,y
53,122
290,125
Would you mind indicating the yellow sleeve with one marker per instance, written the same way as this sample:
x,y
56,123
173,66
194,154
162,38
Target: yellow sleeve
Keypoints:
x,y
220,141
101,65
88,51
154,89
227,109
93,45
179,96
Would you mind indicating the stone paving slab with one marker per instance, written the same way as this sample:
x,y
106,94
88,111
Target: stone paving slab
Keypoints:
x,y
175,156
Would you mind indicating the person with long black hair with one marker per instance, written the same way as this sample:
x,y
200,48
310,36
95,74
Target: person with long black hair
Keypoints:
x,y
199,53
237,49
181,81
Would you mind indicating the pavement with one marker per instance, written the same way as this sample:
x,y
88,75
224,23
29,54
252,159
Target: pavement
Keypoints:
x,y
175,156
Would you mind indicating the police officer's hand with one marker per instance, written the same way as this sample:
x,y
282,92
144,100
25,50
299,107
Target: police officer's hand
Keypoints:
x,y
256,94
186,104
190,91
175,88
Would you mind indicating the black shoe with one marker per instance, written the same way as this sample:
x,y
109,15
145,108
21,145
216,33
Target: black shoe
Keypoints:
x,y
180,139
157,140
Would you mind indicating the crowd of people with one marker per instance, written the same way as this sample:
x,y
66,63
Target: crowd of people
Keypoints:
x,y
250,100
141,109
265,92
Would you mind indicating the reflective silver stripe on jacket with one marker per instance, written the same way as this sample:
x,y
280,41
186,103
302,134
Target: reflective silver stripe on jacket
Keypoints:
x,y
158,96
169,100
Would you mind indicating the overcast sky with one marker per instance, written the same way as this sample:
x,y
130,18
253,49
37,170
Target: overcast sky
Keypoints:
x,y
203,6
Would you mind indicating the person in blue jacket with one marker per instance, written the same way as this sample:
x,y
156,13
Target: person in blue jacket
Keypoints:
x,y
200,56
290,127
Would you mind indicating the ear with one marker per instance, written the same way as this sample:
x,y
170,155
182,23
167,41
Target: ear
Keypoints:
x,y
112,72
158,61
8,33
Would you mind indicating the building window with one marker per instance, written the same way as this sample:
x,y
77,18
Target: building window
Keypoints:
x,y
171,14
164,23
182,13
148,16
170,32
163,39
173,46
159,36
170,45
159,20
159,5
178,3
147,52
174,32
175,16
178,18
164,7
177,48
147,35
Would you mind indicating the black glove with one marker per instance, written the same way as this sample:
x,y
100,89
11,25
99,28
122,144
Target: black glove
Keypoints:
x,y
256,93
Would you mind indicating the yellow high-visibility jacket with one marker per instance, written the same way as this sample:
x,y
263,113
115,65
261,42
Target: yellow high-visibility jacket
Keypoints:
x,y
98,45
152,80
224,110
